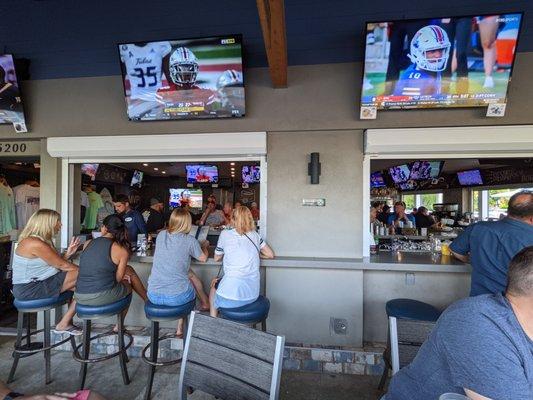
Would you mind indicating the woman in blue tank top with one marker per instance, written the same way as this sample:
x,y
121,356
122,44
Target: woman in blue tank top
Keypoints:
x,y
39,272
105,276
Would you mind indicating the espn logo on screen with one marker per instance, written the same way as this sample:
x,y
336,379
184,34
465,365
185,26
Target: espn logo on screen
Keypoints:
x,y
227,41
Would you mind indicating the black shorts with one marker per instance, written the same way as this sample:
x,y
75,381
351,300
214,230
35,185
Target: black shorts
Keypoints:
x,y
50,287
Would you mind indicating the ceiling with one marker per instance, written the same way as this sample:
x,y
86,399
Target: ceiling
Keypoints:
x,y
177,169
78,38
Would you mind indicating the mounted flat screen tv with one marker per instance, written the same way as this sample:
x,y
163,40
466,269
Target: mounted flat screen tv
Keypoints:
x,y
90,170
202,173
185,197
377,180
400,173
423,170
11,109
463,61
470,178
251,174
183,79
137,178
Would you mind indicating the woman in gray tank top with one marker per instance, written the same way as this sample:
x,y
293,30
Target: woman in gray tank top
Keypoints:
x,y
105,276
39,271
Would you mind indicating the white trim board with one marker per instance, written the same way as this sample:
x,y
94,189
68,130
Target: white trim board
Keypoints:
x,y
160,146
455,142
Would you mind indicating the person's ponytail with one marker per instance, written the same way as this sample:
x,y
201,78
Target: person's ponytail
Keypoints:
x,y
116,226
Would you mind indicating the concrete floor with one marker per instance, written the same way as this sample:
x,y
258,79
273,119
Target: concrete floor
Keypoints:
x,y
105,377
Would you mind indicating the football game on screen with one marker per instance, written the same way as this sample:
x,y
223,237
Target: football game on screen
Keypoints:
x,y
183,79
444,62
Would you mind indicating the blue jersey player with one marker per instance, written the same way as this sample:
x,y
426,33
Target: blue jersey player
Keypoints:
x,y
430,51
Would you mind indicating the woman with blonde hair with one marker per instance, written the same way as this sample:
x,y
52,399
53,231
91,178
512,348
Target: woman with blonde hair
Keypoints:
x,y
39,271
171,281
240,249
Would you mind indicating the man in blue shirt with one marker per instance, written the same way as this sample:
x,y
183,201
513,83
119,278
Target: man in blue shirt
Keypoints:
x,y
133,219
400,215
489,246
481,346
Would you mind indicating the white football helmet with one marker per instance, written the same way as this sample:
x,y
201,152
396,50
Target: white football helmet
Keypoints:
x,y
229,77
430,38
183,66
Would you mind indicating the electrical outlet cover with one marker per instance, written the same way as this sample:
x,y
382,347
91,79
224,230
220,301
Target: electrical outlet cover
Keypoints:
x,y
338,326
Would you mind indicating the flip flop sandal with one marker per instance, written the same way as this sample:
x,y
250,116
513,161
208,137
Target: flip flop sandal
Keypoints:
x,y
72,330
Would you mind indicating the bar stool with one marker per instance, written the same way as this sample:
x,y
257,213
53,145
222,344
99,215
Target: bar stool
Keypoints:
x,y
156,314
25,308
89,313
410,323
250,314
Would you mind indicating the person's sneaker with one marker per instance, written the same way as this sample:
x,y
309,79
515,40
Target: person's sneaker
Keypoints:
x,y
72,330
489,82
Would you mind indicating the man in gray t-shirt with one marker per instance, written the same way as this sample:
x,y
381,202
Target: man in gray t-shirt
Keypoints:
x,y
481,346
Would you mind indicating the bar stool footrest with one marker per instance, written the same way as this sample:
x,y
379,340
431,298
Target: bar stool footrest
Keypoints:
x,y
160,363
77,356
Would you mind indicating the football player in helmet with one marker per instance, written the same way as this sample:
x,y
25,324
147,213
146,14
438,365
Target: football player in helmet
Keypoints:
x,y
183,96
231,90
429,53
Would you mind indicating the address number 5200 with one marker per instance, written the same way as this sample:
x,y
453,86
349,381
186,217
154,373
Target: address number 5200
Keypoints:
x,y
13,148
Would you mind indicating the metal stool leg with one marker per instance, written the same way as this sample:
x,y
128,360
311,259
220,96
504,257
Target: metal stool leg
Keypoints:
x,y
154,349
16,356
46,341
121,348
86,347
264,325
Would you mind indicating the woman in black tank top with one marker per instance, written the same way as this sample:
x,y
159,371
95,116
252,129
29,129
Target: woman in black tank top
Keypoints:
x,y
104,274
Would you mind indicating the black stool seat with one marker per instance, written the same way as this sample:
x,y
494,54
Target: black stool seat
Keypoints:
x,y
158,313
88,313
411,309
26,307
252,313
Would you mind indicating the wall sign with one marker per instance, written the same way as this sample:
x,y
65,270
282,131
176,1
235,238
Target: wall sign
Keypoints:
x,y
27,148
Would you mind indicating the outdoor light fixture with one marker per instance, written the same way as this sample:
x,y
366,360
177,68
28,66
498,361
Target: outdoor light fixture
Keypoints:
x,y
314,168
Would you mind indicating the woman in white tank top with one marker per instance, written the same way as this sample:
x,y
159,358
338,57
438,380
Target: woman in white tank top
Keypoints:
x,y
39,271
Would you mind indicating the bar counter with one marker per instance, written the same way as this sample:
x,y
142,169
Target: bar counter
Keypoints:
x,y
384,261
307,294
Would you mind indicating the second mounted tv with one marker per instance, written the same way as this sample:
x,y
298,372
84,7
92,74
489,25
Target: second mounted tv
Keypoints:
x,y
460,61
183,79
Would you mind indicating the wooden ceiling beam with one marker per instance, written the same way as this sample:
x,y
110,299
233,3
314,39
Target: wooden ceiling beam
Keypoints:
x,y
272,17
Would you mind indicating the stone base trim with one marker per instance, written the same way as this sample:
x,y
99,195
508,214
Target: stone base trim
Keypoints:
x,y
296,356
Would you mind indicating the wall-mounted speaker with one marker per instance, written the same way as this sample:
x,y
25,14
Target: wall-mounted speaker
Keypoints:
x,y
314,168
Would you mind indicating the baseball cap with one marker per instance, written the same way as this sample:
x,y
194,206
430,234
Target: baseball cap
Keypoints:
x,y
154,201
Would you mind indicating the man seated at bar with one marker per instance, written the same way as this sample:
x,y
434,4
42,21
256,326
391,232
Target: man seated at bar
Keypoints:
x,y
489,246
132,218
423,219
212,216
240,250
155,220
481,346
400,216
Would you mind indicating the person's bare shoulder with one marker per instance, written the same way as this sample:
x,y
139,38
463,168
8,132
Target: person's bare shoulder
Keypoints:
x,y
30,245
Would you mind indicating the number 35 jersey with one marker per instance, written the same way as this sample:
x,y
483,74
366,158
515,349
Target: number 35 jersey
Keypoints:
x,y
144,68
417,82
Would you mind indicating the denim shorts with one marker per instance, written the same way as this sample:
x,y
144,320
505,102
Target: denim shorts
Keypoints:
x,y
222,302
172,300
